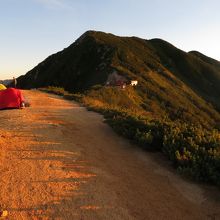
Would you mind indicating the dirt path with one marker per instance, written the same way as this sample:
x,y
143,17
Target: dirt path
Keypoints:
x,y
59,161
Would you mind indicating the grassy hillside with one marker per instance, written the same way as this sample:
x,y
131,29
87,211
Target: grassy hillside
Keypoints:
x,y
172,83
174,107
193,149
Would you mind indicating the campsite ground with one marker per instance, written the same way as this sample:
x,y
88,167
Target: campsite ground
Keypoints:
x,y
60,161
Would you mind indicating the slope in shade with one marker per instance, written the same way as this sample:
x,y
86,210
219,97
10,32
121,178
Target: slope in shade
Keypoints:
x,y
170,81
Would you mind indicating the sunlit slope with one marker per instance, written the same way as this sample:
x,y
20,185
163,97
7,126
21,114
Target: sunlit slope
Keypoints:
x,y
171,82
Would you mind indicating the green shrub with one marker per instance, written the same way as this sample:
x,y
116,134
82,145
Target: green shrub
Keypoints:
x,y
193,149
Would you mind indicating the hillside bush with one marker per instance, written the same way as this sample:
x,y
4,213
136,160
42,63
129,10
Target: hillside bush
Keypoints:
x,y
193,149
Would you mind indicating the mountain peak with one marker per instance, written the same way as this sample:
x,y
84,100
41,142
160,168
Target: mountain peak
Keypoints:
x,y
176,79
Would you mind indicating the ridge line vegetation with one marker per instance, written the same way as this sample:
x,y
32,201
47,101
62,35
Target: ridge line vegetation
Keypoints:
x,y
193,149
175,108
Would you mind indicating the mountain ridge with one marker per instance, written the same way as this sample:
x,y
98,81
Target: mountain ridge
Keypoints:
x,y
170,81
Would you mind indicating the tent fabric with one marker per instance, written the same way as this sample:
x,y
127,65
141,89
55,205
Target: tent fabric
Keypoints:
x,y
2,87
10,98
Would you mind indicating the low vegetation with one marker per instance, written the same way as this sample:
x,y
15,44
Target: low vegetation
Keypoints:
x,y
193,148
175,107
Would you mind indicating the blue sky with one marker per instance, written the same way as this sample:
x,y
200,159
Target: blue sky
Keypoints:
x,y
31,30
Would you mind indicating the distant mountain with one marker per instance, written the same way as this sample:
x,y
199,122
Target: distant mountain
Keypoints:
x,y
6,82
170,81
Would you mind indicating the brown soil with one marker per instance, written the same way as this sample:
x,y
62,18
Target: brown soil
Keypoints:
x,y
60,161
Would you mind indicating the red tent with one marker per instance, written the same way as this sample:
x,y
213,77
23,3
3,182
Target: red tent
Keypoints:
x,y
10,98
